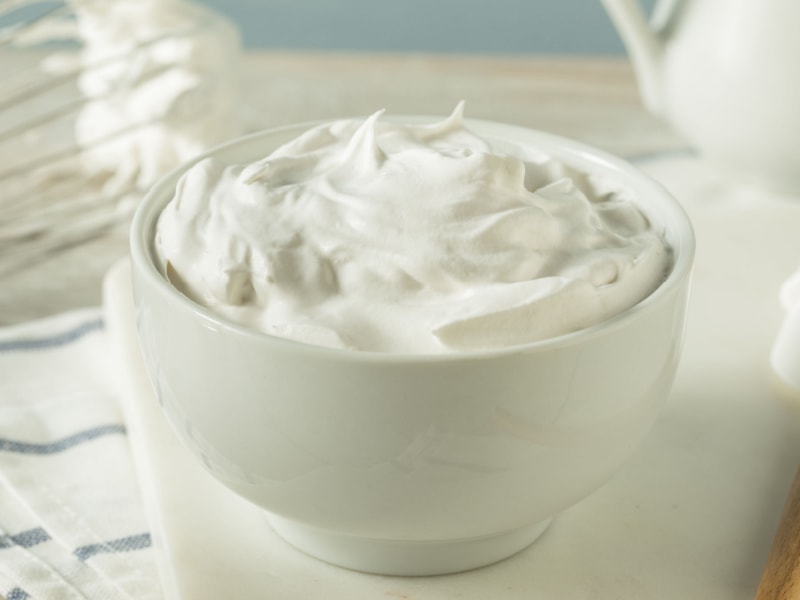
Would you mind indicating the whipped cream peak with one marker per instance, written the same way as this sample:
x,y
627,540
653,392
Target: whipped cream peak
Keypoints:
x,y
363,150
412,238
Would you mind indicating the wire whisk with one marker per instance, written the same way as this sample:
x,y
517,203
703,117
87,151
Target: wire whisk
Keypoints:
x,y
101,98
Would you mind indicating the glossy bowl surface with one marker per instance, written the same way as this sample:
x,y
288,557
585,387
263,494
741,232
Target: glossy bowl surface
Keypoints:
x,y
412,464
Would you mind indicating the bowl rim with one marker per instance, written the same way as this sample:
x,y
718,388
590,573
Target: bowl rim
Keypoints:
x,y
142,252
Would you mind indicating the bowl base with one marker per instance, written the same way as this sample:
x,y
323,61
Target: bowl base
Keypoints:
x,y
406,557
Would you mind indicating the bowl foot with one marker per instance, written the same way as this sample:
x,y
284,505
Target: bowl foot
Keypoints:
x,y
406,557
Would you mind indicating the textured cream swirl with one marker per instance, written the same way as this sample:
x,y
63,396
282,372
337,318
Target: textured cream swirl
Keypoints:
x,y
408,238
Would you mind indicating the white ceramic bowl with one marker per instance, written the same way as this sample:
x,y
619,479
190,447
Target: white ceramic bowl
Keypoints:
x,y
412,464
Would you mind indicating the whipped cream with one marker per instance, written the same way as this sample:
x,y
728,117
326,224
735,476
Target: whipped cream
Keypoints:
x,y
408,238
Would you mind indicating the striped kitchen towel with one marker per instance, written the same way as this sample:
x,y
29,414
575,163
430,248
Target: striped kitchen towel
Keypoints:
x,y
72,523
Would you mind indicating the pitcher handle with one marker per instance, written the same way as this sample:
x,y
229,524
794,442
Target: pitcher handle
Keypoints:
x,y
645,46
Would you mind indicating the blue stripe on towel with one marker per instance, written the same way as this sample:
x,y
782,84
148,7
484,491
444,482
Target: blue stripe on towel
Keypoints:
x,y
24,539
126,544
7,445
53,341
17,594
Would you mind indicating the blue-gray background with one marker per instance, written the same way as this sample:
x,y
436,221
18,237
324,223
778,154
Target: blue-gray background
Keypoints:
x,y
483,26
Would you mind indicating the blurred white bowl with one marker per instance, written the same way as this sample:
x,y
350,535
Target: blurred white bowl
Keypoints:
x,y
404,464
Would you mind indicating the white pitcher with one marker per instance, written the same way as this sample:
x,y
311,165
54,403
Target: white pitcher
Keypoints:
x,y
726,73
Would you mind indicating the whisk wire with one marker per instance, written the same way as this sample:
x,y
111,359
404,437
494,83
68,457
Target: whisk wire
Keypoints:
x,y
73,74
72,151
70,107
7,6
10,34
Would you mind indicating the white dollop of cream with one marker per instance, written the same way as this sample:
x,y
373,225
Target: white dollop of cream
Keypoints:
x,y
385,237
